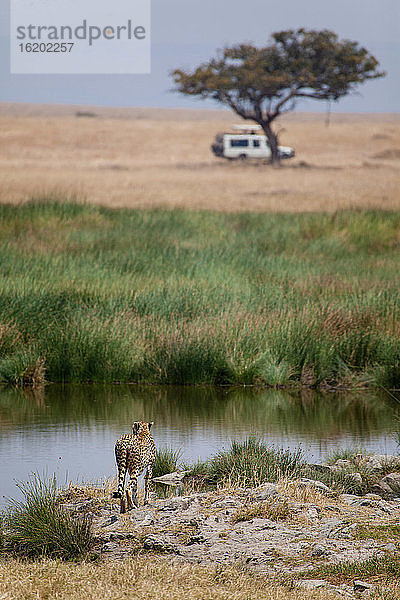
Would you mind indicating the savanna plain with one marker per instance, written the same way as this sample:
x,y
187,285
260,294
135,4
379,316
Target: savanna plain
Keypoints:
x,y
147,158
128,253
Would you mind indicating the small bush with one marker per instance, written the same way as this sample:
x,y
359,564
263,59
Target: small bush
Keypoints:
x,y
252,462
166,461
39,527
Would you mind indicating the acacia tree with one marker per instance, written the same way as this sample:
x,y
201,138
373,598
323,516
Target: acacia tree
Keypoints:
x,y
260,84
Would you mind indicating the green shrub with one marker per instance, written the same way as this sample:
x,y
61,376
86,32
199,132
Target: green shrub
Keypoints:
x,y
38,527
252,462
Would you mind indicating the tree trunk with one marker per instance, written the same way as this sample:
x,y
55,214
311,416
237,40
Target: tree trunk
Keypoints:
x,y
272,141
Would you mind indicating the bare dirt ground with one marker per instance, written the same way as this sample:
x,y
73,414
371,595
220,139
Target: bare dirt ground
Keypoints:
x,y
158,157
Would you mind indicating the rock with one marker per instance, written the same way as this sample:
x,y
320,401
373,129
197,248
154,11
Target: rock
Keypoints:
x,y
227,502
176,478
344,590
321,468
321,487
148,520
197,539
341,465
110,547
176,504
349,528
158,544
312,512
107,521
364,502
353,478
312,584
260,524
382,489
385,507
349,498
318,550
378,461
361,586
264,491
331,527
197,528
121,536
372,463
137,515
392,480
390,547
196,522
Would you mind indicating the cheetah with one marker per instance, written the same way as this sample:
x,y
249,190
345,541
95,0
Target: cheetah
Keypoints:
x,y
134,453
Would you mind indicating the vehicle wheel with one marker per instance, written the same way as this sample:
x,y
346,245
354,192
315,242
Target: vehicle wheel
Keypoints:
x,y
242,157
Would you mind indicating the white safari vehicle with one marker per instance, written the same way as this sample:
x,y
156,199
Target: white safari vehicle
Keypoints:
x,y
247,141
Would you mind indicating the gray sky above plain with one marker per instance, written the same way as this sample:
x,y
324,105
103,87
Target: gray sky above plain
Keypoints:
x,y
186,32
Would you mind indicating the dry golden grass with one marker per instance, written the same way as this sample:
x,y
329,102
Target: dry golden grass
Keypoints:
x,y
292,490
151,157
144,578
272,508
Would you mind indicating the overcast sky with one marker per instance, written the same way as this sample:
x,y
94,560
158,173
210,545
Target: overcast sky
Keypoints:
x,y
186,32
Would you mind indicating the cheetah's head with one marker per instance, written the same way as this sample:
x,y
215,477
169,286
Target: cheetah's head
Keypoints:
x,y
141,426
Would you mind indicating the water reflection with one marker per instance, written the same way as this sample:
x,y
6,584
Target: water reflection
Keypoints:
x,y
72,429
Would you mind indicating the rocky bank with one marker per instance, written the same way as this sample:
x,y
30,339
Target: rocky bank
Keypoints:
x,y
284,530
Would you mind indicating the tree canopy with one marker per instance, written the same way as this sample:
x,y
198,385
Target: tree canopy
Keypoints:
x,y
262,83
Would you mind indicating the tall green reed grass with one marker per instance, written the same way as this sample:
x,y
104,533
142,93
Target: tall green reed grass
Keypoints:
x,y
90,294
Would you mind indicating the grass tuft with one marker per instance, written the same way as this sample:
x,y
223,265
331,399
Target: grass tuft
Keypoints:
x,y
388,565
274,509
38,527
351,454
390,531
167,461
252,462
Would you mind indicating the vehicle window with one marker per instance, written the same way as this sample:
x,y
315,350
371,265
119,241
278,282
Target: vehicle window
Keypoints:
x,y
256,143
239,143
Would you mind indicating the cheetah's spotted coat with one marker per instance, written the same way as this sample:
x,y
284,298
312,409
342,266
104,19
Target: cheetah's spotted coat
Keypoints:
x,y
134,453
